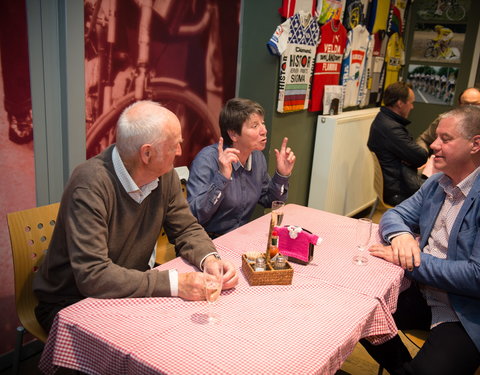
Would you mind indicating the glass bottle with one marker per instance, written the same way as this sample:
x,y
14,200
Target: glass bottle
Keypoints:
x,y
273,248
260,264
280,262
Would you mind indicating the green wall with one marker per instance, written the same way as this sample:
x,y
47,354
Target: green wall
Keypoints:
x,y
257,80
258,73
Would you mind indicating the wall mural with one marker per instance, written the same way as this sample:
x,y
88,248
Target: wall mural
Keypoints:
x,y
180,54
17,190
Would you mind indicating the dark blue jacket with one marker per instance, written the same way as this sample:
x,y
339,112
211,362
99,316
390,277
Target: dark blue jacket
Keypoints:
x,y
398,153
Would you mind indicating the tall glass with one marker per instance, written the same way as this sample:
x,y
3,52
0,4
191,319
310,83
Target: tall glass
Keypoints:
x,y
277,212
363,232
213,278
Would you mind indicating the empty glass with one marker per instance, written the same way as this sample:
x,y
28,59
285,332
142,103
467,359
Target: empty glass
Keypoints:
x,y
363,231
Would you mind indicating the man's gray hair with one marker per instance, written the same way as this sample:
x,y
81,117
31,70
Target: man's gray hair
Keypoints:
x,y
136,128
468,117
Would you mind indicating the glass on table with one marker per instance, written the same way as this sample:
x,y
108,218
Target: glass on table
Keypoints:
x,y
363,232
213,278
277,212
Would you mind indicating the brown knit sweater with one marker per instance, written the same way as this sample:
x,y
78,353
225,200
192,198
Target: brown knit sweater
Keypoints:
x,y
103,239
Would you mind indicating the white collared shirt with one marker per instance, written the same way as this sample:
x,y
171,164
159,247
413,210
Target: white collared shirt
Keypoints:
x,y
437,244
138,194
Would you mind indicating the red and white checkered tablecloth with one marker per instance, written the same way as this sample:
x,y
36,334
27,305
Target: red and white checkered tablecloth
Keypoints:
x,y
332,262
309,327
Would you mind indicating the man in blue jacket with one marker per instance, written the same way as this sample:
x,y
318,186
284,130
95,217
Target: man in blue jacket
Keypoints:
x,y
443,263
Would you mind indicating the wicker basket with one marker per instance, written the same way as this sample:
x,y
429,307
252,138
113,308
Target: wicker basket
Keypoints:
x,y
268,277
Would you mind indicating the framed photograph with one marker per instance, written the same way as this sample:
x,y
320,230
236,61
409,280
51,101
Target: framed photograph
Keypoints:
x,y
443,10
333,100
438,42
433,84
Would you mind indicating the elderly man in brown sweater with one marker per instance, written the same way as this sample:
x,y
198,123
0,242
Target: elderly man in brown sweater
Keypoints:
x,y
110,217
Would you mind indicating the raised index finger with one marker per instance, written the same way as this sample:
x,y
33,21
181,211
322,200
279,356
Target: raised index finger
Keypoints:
x,y
220,145
284,144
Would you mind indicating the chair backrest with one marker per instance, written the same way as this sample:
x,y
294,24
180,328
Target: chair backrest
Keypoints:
x,y
378,179
30,234
416,336
183,174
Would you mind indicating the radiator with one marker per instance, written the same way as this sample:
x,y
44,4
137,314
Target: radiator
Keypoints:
x,y
342,170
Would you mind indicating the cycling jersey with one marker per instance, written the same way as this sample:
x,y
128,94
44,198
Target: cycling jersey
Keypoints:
x,y
330,9
378,65
378,18
353,64
290,7
394,59
328,61
295,41
354,14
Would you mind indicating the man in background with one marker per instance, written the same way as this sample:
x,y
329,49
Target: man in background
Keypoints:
x,y
470,96
396,150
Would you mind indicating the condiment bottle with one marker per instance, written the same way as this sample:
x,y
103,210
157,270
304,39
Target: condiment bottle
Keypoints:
x,y
260,264
273,248
280,262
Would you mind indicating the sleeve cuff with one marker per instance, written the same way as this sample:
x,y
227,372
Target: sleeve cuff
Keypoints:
x,y
173,276
282,176
215,254
391,236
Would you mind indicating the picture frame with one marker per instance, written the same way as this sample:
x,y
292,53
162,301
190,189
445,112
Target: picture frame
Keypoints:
x,y
438,42
443,10
433,84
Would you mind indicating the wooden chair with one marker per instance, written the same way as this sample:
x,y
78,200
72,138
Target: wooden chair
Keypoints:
x,y
416,336
165,251
378,187
30,233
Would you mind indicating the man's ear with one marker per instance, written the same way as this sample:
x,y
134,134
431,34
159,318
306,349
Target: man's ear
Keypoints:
x,y
145,153
399,104
475,144
233,136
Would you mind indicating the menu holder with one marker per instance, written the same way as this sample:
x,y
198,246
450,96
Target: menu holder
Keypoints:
x,y
270,276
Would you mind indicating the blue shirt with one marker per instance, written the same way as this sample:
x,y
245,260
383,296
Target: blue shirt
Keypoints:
x,y
222,204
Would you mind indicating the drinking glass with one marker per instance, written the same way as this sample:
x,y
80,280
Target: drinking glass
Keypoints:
x,y
277,212
363,233
213,277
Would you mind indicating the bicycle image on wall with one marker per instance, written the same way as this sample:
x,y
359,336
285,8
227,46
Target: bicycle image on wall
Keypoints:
x,y
433,84
438,42
168,51
443,10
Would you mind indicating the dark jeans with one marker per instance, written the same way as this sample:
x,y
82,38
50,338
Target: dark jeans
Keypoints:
x,y
46,312
448,349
